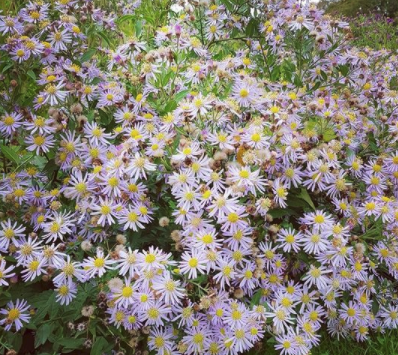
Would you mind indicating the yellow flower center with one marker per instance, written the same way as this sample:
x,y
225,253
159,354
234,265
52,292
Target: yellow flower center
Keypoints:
x,y
39,141
99,262
233,217
8,121
63,290
127,291
13,314
193,262
244,93
150,258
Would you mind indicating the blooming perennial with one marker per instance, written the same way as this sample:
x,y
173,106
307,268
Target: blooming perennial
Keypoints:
x,y
198,186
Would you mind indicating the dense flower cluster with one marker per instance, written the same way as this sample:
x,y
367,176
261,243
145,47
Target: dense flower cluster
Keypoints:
x,y
216,197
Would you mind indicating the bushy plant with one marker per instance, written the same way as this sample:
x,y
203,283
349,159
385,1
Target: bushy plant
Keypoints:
x,y
375,31
206,178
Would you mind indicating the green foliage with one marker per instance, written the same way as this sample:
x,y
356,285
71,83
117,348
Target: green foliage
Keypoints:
x,y
381,344
375,32
351,8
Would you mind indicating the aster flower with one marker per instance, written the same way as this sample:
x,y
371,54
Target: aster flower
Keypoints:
x,y
106,210
225,272
53,94
244,93
9,233
314,242
281,319
131,219
5,272
59,225
318,219
34,268
315,276
156,314
9,123
289,239
168,289
390,316
69,269
27,249
97,265
96,134
59,39
160,340
234,220
197,339
81,186
66,292
192,263
153,259
280,193
124,295
15,314
240,339
139,166
109,97
10,25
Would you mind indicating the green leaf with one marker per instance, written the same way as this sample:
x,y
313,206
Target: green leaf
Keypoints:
x,y
304,195
39,161
125,18
88,55
329,134
14,339
296,202
42,334
104,37
105,117
71,343
256,298
171,106
281,212
344,69
50,167
31,74
138,28
251,27
99,345
180,95
6,67
10,153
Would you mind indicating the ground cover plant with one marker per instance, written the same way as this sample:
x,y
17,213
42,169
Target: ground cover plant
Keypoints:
x,y
208,178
